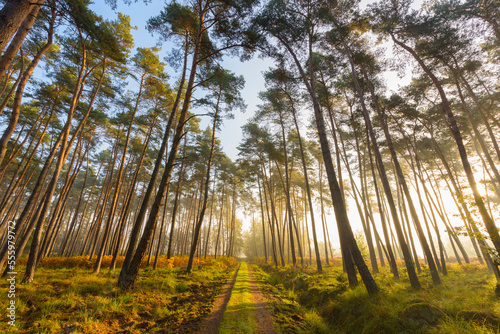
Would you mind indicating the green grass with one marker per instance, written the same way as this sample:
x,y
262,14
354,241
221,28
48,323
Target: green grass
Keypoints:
x,y
465,302
66,299
287,314
72,299
239,314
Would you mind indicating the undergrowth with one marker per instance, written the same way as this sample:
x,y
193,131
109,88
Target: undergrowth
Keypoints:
x,y
287,314
67,298
465,302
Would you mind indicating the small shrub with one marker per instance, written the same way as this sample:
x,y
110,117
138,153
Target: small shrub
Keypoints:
x,y
316,323
274,279
181,286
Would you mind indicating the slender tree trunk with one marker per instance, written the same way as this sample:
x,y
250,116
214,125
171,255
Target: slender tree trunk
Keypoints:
x,y
220,219
134,236
177,200
34,249
453,126
17,41
287,189
269,219
160,236
263,219
442,214
16,108
118,186
344,255
26,161
399,172
207,238
98,207
480,139
345,231
197,228
130,272
274,217
128,198
479,106
12,15
385,182
475,233
366,226
14,152
58,209
13,88
25,215
72,224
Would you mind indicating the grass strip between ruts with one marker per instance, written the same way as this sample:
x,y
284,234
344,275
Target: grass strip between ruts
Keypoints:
x,y
240,310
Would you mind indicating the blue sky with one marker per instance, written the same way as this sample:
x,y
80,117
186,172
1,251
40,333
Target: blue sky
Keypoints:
x,y
230,133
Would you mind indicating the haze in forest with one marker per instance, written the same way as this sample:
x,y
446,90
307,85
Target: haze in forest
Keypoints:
x,y
207,166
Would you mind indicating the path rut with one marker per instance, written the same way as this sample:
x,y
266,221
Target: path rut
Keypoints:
x,y
212,322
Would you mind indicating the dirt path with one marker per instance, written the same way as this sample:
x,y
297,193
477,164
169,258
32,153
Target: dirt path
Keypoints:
x,y
247,313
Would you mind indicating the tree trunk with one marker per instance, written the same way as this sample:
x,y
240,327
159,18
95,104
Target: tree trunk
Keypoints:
x,y
17,41
72,224
207,238
475,233
197,228
16,108
344,227
124,215
366,226
130,272
263,218
385,182
134,236
178,193
26,162
287,192
269,219
34,249
12,15
453,126
118,185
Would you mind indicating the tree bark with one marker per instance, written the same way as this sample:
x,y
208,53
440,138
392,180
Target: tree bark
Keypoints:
x,y
12,15
17,41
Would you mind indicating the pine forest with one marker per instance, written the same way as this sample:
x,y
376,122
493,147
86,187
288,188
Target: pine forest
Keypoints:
x,y
246,166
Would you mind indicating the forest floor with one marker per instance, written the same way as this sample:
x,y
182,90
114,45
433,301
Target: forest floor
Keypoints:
x,y
304,301
253,297
67,298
